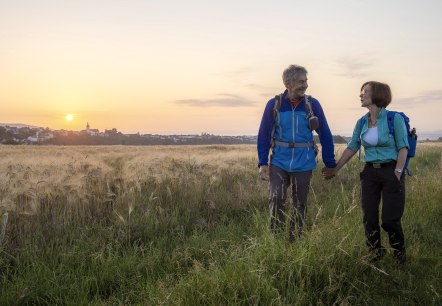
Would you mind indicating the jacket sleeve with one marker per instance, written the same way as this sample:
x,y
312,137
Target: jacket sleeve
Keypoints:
x,y
400,132
325,136
264,134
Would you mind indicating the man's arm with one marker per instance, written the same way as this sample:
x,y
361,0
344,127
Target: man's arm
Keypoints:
x,y
325,136
265,133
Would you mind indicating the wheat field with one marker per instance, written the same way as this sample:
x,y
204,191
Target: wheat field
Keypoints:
x,y
188,225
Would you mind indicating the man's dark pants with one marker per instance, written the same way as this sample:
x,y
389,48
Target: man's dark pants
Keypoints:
x,y
280,181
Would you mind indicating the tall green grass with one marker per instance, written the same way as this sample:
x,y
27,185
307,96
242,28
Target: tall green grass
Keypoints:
x,y
197,234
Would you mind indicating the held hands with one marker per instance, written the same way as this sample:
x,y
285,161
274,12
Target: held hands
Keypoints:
x,y
328,173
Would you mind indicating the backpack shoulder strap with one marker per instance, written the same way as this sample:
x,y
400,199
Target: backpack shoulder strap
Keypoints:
x,y
276,116
390,121
277,106
308,104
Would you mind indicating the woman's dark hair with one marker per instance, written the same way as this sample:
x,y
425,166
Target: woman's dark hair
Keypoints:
x,y
380,93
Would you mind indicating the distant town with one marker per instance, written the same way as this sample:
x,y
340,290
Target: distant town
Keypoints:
x,y
28,135
19,134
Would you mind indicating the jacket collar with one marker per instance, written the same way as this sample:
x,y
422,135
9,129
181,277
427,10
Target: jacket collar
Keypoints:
x,y
286,98
382,113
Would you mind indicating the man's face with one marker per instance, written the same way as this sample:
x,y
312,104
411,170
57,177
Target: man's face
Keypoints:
x,y
297,88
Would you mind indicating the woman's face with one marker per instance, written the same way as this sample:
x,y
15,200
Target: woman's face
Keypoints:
x,y
366,96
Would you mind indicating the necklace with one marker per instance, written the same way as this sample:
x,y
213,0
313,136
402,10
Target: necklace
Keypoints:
x,y
373,123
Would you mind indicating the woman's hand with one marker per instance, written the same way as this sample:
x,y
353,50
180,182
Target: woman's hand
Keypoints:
x,y
398,175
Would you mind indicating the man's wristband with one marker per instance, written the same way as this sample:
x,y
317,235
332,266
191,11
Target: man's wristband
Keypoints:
x,y
398,170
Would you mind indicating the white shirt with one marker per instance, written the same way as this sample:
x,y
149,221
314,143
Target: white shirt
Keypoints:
x,y
371,137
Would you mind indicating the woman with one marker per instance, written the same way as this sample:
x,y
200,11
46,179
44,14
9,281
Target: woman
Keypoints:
x,y
382,176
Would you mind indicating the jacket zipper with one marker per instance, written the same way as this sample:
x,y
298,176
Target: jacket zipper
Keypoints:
x,y
293,135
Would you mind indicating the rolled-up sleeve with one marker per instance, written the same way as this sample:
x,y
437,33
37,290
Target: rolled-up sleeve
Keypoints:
x,y
400,132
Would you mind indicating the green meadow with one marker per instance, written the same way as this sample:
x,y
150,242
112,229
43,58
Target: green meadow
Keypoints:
x,y
188,225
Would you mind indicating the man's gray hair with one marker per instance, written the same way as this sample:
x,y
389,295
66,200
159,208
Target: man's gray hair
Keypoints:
x,y
291,73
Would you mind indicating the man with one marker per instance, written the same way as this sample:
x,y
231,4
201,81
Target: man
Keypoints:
x,y
286,131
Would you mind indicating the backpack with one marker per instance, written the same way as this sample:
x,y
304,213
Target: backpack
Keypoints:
x,y
411,135
312,121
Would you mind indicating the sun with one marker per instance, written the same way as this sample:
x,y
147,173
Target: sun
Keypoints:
x,y
69,117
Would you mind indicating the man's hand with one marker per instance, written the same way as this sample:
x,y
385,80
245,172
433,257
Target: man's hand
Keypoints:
x,y
328,173
264,173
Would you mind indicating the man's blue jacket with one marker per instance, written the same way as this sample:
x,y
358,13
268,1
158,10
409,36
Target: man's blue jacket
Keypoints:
x,y
294,128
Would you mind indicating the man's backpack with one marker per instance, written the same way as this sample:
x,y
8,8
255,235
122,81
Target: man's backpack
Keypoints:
x,y
312,121
411,135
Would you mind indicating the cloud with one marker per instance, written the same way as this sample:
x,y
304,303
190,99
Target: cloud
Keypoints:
x,y
237,72
352,67
224,100
425,97
264,91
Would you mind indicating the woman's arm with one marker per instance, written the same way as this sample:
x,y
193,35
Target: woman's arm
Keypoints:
x,y
346,156
400,163
328,173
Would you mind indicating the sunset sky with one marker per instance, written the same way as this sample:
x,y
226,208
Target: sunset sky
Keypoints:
x,y
187,67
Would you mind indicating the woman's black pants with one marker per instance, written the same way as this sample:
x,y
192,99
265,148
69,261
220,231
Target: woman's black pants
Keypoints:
x,y
380,182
